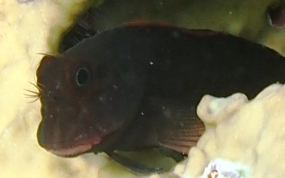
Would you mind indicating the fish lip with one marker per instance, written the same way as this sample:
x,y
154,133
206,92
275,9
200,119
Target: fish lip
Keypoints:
x,y
71,151
67,148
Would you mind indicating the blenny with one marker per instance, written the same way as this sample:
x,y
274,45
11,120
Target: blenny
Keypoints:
x,y
137,86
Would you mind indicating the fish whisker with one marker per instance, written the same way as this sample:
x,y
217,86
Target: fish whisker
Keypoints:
x,y
44,54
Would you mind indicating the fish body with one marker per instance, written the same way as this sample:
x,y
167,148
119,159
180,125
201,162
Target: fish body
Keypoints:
x,y
84,28
137,86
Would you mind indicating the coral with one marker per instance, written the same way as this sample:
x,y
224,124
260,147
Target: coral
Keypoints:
x,y
219,168
248,133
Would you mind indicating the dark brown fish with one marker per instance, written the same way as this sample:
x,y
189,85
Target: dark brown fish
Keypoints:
x,y
137,86
84,28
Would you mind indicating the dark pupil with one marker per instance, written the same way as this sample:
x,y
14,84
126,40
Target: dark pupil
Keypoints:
x,y
82,77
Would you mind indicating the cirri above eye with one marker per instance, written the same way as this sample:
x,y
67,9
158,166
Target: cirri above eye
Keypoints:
x,y
82,76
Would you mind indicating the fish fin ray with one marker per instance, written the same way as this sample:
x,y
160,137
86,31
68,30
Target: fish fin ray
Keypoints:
x,y
179,127
132,165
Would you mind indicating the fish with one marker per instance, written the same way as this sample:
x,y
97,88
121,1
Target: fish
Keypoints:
x,y
82,29
137,86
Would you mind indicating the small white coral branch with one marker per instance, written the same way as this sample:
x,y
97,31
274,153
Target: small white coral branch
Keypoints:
x,y
220,168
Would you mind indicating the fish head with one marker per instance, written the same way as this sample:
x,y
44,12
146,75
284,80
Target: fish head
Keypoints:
x,y
87,98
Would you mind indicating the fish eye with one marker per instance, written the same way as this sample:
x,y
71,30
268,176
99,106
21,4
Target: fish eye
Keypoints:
x,y
82,77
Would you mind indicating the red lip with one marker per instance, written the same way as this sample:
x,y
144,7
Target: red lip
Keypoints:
x,y
71,151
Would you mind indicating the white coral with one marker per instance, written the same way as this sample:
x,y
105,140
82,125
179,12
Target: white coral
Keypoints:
x,y
250,133
220,168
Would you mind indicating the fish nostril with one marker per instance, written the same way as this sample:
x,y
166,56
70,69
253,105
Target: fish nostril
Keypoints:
x,y
48,97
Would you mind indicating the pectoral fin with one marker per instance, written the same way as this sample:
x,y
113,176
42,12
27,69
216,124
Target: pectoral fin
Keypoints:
x,y
182,135
132,165
176,156
179,127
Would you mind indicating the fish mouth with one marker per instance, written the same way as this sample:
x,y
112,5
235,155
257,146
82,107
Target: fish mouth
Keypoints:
x,y
66,142
71,151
